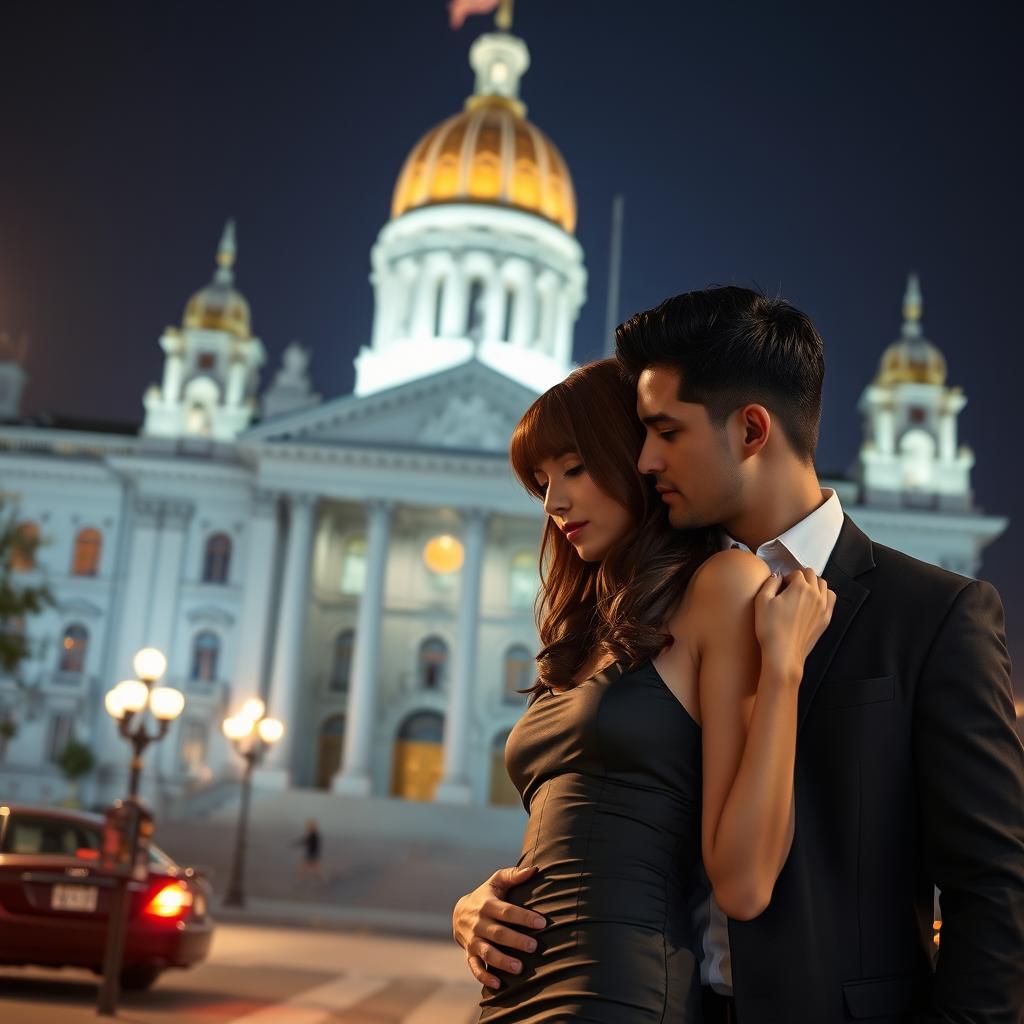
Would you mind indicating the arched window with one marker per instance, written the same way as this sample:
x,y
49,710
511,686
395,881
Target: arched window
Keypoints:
x,y
73,648
422,727
205,654
353,566
917,449
23,550
341,666
475,312
86,560
433,663
520,671
523,581
217,559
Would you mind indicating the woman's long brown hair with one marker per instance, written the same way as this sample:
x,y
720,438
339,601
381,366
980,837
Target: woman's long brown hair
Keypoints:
x,y
618,605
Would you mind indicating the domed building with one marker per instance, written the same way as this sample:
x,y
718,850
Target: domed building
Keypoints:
x,y
365,563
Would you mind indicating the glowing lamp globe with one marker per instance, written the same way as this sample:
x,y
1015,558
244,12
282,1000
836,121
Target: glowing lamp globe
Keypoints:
x,y
253,709
112,702
149,664
133,695
443,554
166,703
237,727
270,730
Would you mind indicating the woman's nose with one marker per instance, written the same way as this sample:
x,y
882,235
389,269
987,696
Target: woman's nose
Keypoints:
x,y
554,502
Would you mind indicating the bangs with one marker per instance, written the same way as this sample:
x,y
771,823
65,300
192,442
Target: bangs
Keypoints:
x,y
545,432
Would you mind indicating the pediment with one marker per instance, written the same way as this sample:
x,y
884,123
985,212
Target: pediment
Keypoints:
x,y
468,407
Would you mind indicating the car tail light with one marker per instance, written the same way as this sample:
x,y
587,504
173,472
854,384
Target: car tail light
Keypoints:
x,y
171,900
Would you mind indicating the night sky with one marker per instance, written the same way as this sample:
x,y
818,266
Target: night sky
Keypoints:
x,y
817,150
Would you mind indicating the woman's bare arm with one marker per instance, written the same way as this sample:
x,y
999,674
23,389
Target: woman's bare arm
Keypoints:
x,y
748,691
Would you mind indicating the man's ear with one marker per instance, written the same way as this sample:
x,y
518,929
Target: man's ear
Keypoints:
x,y
754,427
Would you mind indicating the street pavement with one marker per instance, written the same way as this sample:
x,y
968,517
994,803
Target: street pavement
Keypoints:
x,y
272,975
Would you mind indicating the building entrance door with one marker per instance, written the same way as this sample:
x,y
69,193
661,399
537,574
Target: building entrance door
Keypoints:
x,y
418,756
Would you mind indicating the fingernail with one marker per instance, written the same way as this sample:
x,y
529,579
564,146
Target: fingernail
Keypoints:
x,y
493,984
531,945
539,922
516,967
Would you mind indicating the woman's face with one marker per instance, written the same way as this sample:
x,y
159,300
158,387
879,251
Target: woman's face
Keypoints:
x,y
591,521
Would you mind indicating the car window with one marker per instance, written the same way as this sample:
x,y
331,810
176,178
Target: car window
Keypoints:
x,y
42,836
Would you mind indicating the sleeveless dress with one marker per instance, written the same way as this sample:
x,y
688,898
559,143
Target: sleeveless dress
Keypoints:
x,y
610,773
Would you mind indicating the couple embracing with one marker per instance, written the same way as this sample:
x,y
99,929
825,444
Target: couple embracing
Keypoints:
x,y
758,741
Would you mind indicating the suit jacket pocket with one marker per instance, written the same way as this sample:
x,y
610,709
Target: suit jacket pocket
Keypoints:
x,y
883,997
851,693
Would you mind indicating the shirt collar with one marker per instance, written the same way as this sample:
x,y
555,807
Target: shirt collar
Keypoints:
x,y
810,541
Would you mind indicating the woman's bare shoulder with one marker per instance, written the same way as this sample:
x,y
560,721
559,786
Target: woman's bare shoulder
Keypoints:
x,y
728,578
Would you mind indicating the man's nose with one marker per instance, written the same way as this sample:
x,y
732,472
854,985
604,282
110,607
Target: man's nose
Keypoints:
x,y
650,461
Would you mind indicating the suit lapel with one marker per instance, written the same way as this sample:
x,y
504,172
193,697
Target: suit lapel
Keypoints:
x,y
851,556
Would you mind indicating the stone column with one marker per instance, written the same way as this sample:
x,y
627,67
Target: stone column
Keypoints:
x,y
354,778
286,672
174,519
454,786
260,551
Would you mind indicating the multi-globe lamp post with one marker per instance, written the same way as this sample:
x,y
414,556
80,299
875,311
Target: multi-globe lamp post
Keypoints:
x,y
252,734
127,703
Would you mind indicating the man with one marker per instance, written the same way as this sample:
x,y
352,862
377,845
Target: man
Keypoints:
x,y
909,774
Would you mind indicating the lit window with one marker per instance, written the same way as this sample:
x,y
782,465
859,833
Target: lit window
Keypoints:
x,y
86,560
205,654
433,663
523,582
217,559
23,550
353,566
73,648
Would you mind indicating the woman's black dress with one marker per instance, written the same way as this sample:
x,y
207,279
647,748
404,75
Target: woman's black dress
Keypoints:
x,y
610,773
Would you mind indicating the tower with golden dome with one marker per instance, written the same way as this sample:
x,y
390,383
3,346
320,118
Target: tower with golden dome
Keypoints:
x,y
211,362
910,455
479,260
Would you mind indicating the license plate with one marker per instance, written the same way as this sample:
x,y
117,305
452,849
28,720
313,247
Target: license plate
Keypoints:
x,y
74,897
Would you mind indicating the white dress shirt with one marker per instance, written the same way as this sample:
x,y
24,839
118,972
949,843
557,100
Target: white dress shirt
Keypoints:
x,y
808,544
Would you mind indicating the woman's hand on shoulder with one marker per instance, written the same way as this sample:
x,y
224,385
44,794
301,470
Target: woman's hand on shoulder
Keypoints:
x,y
790,615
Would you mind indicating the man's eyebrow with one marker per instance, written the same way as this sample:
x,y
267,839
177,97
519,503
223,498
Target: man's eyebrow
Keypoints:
x,y
658,418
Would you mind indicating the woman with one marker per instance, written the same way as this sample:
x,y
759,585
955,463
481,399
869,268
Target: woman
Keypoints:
x,y
641,628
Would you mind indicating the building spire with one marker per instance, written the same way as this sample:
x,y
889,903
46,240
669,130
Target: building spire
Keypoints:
x,y
226,253
503,19
913,306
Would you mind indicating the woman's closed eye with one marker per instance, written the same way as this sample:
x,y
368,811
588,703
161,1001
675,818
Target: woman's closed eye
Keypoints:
x,y
575,470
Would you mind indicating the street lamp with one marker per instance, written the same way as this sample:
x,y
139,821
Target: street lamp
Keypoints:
x,y
129,699
252,734
127,703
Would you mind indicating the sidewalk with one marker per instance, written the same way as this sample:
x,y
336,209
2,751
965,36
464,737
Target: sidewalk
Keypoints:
x,y
329,916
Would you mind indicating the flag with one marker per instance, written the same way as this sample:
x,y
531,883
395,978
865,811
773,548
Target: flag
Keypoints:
x,y
459,10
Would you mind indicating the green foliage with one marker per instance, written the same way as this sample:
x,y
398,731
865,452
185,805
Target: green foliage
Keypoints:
x,y
18,600
75,760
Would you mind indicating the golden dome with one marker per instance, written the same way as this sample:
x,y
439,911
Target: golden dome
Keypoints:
x,y
489,153
912,358
218,306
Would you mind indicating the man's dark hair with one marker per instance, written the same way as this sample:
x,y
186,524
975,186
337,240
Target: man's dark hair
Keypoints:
x,y
732,346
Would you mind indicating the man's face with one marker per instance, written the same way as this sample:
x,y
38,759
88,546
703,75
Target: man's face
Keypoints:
x,y
688,455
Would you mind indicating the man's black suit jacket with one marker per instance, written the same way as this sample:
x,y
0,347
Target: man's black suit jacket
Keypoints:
x,y
909,774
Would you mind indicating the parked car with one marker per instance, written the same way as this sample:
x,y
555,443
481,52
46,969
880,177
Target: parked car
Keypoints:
x,y
55,898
